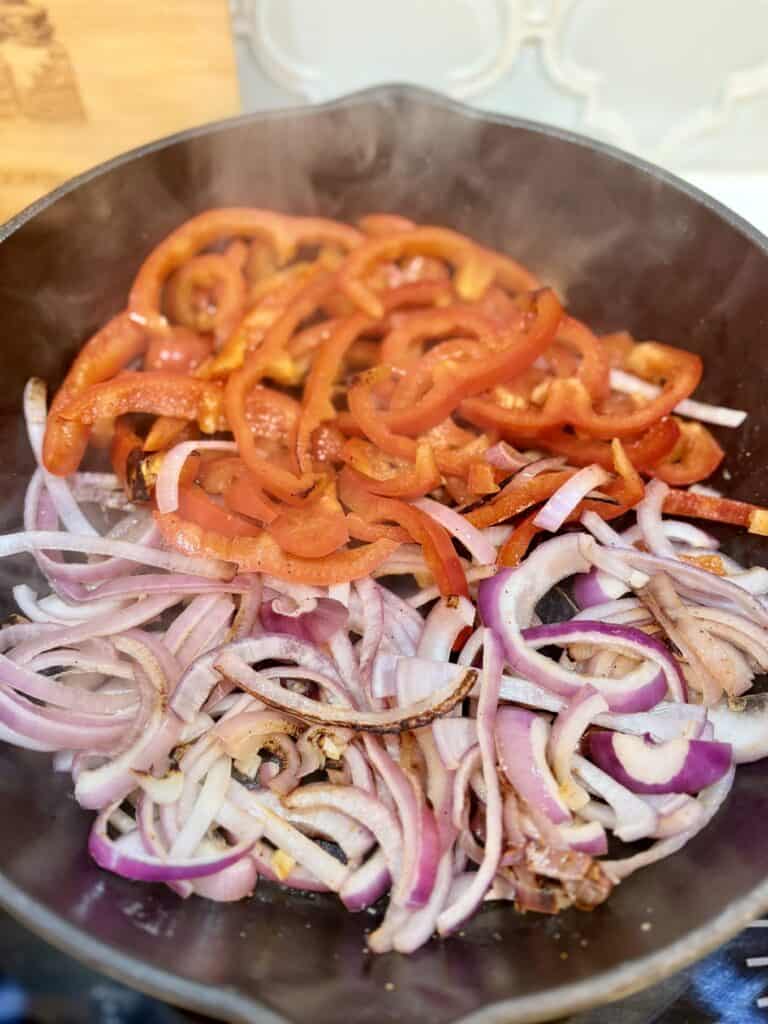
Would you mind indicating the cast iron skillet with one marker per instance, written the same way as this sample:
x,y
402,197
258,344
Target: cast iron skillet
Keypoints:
x,y
627,245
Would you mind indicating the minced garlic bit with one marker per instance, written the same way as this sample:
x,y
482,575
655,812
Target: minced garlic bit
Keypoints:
x,y
330,748
282,864
758,522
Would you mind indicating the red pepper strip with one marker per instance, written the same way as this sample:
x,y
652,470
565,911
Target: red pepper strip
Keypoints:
x,y
594,369
267,310
434,539
240,384
448,357
377,224
644,453
705,506
402,347
125,441
569,403
481,479
263,554
379,476
318,389
366,417
237,252
161,394
104,355
176,350
272,414
521,352
167,431
515,547
475,266
513,500
361,529
217,474
617,347
314,530
198,507
322,231
696,457
214,279
627,491
195,235
244,496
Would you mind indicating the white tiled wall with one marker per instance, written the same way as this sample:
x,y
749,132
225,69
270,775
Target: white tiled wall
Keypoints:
x,y
683,82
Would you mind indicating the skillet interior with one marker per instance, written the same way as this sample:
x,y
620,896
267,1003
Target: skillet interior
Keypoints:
x,y
629,247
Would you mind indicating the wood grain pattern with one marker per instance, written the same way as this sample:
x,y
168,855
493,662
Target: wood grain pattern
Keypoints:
x,y
83,80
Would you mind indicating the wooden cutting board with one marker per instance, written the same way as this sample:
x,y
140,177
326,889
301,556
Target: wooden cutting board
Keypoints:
x,y
83,80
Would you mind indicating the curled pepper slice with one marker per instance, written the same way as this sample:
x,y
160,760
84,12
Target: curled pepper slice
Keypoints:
x,y
196,505
399,480
517,355
207,294
569,403
195,235
435,541
104,355
314,529
475,266
695,458
645,452
161,394
264,554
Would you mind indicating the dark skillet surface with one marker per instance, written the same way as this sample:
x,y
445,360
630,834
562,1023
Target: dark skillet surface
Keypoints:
x,y
627,247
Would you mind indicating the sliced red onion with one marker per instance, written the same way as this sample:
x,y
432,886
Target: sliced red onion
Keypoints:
x,y
649,519
203,813
473,540
360,806
417,679
449,617
678,531
35,415
711,800
161,790
388,721
677,766
126,856
167,483
691,581
507,602
521,741
564,740
454,737
521,691
504,456
52,691
622,694
137,614
367,883
742,723
30,541
635,819
553,514
197,682
667,721
534,468
419,926
596,588
324,867
719,415
587,838
457,911
314,621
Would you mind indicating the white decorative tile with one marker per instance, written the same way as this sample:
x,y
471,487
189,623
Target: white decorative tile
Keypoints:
x,y
683,82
